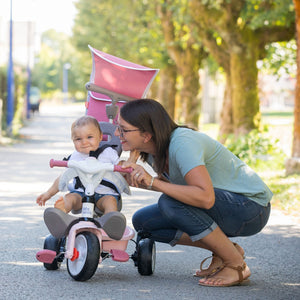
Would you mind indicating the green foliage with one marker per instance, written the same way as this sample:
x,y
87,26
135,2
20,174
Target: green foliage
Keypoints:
x,y
257,150
132,30
20,78
266,13
286,192
56,50
125,28
280,58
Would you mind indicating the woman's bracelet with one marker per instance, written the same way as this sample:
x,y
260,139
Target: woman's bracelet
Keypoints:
x,y
149,187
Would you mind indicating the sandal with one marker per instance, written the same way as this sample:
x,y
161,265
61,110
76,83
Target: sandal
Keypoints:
x,y
207,272
241,279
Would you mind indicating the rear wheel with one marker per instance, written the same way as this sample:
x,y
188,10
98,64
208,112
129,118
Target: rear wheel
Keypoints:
x,y
88,248
146,256
52,243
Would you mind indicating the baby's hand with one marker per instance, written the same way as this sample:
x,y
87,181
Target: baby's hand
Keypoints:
x,y
41,199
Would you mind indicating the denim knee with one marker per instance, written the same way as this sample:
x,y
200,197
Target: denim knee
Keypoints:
x,y
150,221
137,220
192,220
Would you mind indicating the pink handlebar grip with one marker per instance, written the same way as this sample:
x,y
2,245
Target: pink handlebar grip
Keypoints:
x,y
58,163
122,170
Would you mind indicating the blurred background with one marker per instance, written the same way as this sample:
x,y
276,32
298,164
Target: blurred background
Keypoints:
x,y
227,68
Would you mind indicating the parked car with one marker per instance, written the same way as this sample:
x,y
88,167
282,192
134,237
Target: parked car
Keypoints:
x,y
34,99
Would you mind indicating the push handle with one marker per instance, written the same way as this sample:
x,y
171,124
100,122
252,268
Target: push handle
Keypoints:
x,y
122,170
58,163
113,95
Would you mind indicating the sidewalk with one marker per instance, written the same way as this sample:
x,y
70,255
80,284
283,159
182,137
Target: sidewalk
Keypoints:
x,y
272,255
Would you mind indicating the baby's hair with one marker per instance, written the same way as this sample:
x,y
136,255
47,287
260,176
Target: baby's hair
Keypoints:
x,y
83,121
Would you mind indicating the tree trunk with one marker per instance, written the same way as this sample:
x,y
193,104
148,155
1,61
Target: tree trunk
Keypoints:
x,y
187,58
167,88
245,103
226,121
223,31
189,68
293,164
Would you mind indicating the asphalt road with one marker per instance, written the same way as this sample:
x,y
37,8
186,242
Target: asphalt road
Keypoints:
x,y
272,255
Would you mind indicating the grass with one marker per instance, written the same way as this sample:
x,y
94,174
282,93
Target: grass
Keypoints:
x,y
286,192
285,188
277,114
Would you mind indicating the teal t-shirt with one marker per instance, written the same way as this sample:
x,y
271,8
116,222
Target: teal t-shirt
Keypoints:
x,y
189,149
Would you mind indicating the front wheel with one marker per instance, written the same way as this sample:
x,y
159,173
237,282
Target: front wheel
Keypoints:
x,y
146,256
52,243
85,266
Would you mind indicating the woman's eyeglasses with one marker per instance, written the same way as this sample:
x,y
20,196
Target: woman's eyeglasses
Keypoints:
x,y
122,130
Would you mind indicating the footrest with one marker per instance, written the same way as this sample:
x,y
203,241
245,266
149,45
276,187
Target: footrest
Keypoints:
x,y
119,255
46,256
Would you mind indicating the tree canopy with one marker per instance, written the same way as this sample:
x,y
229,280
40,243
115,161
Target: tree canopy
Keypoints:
x,y
177,37
56,51
236,33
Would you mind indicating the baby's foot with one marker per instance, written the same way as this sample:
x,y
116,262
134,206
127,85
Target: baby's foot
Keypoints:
x,y
60,204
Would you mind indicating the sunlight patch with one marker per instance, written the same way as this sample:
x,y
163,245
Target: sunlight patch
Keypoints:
x,y
22,263
11,219
170,251
291,284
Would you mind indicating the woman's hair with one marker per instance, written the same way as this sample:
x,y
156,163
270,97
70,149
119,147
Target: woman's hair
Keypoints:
x,y
149,116
83,121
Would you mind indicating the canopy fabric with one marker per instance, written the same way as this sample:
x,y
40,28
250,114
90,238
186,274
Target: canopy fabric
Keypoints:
x,y
117,75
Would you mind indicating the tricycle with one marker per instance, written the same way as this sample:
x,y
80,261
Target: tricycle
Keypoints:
x,y
83,240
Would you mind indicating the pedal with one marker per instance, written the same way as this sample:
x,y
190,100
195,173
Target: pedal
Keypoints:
x,y
46,256
119,255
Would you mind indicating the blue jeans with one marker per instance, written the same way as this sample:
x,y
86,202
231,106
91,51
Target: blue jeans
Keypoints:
x,y
167,220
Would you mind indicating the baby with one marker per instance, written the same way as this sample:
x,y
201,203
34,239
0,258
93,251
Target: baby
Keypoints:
x,y
87,135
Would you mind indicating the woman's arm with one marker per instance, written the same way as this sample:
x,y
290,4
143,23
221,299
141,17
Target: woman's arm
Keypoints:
x,y
198,192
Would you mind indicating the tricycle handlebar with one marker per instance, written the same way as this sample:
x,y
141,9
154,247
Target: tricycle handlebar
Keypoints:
x,y
122,170
64,163
58,163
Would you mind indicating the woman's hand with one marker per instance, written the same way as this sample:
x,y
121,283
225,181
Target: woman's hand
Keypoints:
x,y
138,177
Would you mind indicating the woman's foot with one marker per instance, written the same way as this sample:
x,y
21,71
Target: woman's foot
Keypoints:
x,y
227,276
60,204
216,263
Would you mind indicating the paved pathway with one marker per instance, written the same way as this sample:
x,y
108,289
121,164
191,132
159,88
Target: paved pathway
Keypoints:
x,y
273,255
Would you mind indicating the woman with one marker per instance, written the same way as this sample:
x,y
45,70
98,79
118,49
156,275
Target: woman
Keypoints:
x,y
208,194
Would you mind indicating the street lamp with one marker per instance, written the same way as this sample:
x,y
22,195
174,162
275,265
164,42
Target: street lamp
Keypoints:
x,y
10,78
28,87
66,67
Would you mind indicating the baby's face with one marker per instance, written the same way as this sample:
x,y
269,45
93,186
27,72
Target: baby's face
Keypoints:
x,y
86,138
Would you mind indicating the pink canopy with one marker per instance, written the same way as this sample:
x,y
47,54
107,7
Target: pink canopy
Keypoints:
x,y
119,76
